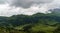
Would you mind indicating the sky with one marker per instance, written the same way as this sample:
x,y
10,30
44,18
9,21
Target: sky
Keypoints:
x,y
27,7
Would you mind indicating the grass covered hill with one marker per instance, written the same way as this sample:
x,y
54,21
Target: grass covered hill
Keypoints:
x,y
37,23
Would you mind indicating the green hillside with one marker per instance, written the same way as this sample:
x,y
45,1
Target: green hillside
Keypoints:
x,y
37,23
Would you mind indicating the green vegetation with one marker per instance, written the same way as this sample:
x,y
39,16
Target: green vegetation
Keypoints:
x,y
37,23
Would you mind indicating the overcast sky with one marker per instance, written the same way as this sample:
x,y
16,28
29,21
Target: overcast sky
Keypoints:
x,y
27,7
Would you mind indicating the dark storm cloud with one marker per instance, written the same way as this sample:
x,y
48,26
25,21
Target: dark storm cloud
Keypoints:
x,y
27,3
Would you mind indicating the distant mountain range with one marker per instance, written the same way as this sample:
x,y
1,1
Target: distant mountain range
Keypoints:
x,y
17,20
56,11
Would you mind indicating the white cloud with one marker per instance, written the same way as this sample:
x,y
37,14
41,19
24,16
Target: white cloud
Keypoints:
x,y
6,10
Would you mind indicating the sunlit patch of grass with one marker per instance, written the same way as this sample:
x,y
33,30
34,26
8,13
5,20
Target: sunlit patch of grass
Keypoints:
x,y
44,28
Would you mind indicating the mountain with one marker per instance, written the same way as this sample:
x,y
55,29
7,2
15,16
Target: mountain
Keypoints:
x,y
56,12
37,23
17,20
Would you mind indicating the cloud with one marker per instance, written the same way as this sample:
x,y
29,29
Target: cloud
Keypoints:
x,y
27,3
27,7
3,1
5,10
